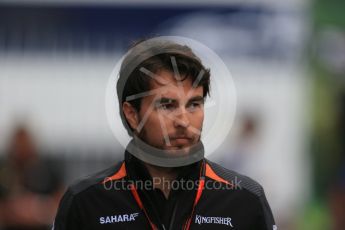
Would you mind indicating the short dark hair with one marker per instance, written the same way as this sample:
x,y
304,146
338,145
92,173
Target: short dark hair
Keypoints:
x,y
155,56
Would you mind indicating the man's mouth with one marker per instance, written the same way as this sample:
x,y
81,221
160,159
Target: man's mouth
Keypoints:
x,y
180,140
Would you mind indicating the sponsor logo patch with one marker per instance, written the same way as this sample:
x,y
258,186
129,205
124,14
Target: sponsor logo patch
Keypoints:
x,y
213,220
118,218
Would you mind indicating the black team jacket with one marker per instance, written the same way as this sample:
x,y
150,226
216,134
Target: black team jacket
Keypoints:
x,y
204,196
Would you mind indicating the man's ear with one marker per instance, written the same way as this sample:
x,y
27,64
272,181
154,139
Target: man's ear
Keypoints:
x,y
131,115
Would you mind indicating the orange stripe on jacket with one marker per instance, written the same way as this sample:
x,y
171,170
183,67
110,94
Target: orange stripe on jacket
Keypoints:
x,y
211,174
121,173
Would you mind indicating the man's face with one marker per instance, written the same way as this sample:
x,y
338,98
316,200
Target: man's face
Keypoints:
x,y
172,117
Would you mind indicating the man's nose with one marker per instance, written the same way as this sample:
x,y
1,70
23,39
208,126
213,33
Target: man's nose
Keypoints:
x,y
181,118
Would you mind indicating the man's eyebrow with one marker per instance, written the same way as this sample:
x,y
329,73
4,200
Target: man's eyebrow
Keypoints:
x,y
164,100
196,98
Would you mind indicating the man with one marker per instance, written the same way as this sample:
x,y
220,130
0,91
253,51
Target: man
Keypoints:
x,y
164,181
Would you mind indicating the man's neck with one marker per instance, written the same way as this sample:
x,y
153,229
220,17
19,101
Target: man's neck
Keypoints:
x,y
162,177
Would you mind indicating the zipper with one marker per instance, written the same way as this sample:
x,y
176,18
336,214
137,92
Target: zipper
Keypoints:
x,y
172,220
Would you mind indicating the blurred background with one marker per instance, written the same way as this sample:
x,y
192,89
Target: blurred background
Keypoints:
x,y
287,59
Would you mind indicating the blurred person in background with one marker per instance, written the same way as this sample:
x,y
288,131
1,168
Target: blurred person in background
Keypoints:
x,y
244,149
336,191
30,189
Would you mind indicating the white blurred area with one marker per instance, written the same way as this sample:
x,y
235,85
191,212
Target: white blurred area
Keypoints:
x,y
61,96
269,138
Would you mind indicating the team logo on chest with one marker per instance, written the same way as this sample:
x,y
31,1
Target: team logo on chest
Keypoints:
x,y
118,218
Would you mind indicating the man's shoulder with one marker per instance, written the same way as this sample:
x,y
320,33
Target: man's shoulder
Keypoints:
x,y
74,193
236,179
93,179
249,195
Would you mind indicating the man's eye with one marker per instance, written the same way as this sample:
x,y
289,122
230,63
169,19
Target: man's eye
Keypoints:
x,y
195,105
166,106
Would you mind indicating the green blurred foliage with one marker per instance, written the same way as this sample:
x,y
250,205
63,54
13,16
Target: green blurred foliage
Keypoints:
x,y
328,12
327,145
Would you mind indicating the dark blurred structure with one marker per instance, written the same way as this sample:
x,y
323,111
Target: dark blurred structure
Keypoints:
x,y
30,188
